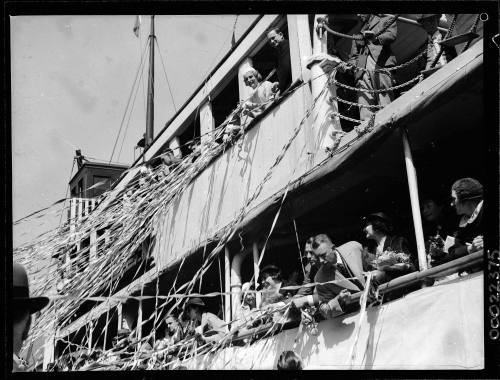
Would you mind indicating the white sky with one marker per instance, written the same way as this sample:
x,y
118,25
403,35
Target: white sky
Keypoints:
x,y
71,79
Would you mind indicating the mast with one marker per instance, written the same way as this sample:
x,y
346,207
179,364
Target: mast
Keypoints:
x,y
151,78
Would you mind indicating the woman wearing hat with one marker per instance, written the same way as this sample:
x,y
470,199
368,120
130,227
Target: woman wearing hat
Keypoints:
x,y
211,328
23,307
467,198
379,229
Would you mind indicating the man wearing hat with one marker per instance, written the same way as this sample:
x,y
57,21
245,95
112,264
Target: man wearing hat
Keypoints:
x,y
211,328
23,307
467,198
430,23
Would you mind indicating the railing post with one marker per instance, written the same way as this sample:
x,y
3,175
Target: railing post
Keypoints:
x,y
119,309
227,284
236,281
139,321
207,123
415,204
256,272
300,44
324,125
93,245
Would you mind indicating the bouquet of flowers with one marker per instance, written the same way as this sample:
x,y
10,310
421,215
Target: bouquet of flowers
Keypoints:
x,y
389,258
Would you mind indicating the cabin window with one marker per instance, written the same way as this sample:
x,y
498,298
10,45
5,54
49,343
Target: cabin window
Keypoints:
x,y
268,58
80,188
225,101
96,191
191,132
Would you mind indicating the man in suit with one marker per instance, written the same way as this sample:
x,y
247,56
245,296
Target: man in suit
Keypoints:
x,y
281,47
23,307
430,23
373,51
341,264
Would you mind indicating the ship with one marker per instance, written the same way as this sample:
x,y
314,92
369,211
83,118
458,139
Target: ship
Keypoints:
x,y
305,165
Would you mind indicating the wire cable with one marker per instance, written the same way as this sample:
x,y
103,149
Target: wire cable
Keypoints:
x,y
166,77
126,107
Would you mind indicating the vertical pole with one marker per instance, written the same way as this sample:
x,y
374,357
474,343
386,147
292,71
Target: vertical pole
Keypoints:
x,y
93,245
151,78
236,281
299,38
72,220
323,126
256,271
80,208
119,308
227,284
415,204
139,320
91,331
207,124
106,331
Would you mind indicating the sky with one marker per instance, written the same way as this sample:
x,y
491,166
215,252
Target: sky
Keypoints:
x,y
71,78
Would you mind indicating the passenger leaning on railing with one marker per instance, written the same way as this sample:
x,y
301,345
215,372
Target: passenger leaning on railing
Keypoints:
x,y
391,256
467,198
210,328
339,275
430,23
311,266
263,92
281,48
373,52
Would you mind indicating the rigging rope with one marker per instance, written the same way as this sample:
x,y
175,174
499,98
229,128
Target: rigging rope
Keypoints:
x,y
128,102
166,77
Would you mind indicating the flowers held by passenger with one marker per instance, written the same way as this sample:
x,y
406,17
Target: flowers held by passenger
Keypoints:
x,y
389,258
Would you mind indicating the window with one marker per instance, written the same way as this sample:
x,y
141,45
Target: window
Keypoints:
x,y
190,132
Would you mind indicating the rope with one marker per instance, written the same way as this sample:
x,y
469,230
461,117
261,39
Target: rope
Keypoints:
x,y
322,24
334,81
392,68
472,30
166,77
130,113
128,102
448,34
355,104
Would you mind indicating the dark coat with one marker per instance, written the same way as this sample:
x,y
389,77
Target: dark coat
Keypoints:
x,y
379,49
283,65
466,235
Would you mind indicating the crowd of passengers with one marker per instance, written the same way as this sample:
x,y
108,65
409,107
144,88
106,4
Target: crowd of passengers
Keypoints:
x,y
332,273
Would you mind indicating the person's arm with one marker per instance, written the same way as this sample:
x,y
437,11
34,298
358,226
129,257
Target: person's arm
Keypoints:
x,y
336,305
216,325
353,57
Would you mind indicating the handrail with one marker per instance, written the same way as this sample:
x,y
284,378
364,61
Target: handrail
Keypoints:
x,y
456,265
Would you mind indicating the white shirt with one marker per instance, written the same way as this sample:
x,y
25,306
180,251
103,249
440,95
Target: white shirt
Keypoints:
x,y
470,219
